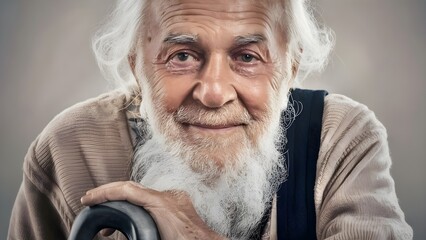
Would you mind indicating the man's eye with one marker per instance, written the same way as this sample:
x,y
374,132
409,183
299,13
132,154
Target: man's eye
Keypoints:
x,y
247,58
183,57
183,61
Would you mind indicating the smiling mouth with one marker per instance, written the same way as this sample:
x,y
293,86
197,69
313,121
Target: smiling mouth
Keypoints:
x,y
213,128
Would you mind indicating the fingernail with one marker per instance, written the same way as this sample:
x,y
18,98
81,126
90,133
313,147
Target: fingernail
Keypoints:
x,y
85,199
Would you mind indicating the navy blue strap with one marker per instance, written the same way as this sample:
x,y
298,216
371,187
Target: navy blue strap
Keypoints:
x,y
296,218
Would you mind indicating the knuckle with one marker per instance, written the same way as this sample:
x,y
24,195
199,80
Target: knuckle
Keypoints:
x,y
127,187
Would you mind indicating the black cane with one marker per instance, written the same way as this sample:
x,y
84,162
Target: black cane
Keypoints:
x,y
133,221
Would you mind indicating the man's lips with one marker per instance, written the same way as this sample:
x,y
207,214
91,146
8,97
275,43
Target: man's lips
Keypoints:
x,y
208,126
213,128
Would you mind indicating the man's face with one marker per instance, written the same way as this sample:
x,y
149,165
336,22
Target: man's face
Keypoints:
x,y
214,72
214,80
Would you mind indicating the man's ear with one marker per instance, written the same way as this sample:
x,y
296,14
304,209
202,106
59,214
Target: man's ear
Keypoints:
x,y
292,72
138,88
294,68
132,61
295,63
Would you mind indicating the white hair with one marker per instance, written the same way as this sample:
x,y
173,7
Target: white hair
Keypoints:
x,y
309,42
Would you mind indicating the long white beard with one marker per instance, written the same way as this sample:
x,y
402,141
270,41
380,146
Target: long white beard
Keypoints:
x,y
232,200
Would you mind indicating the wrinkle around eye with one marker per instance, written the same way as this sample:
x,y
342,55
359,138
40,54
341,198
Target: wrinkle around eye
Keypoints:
x,y
183,63
247,58
250,69
240,61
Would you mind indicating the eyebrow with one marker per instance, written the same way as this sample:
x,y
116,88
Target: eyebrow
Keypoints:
x,y
176,38
249,39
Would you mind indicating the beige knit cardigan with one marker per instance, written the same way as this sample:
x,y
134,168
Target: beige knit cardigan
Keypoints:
x,y
90,144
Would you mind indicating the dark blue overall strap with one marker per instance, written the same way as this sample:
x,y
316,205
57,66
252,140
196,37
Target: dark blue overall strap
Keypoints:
x,y
296,218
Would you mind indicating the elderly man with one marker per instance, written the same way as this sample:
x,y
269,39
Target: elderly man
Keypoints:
x,y
194,132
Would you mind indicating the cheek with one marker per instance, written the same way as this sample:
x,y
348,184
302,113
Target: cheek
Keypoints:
x,y
171,90
256,95
168,90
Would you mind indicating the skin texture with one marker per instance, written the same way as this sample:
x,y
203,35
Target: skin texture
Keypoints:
x,y
212,55
216,57
215,72
172,211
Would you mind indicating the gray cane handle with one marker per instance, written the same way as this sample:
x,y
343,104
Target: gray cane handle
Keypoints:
x,y
133,221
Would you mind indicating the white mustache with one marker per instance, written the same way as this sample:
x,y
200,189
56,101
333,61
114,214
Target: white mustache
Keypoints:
x,y
229,115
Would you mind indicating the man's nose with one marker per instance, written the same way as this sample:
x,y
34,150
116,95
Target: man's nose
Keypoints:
x,y
215,88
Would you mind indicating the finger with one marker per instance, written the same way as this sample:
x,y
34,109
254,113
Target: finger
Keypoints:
x,y
104,194
97,195
179,196
129,191
107,232
108,185
139,195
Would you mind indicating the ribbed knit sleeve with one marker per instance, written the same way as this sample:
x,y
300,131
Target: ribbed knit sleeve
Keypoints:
x,y
354,192
85,146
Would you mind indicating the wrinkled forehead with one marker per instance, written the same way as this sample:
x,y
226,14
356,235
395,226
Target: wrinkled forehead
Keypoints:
x,y
235,15
223,8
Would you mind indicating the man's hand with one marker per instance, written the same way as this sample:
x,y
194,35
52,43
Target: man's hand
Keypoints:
x,y
172,211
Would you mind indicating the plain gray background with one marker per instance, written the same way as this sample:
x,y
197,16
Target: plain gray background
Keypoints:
x,y
46,65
